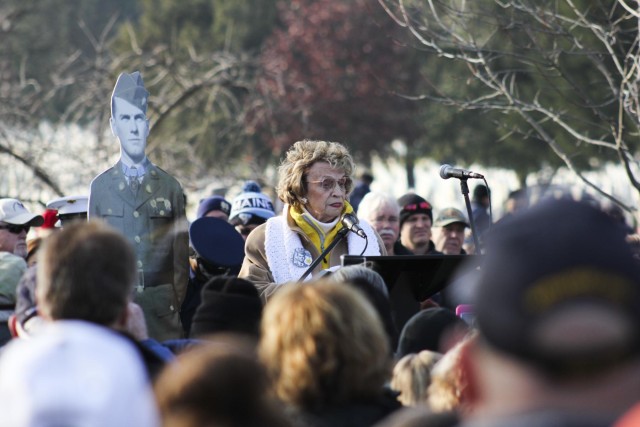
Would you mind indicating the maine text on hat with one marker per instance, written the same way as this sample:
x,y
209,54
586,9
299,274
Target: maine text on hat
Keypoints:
x,y
252,202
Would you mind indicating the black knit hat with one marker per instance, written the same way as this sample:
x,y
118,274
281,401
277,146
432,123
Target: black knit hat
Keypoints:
x,y
229,304
213,203
425,330
411,204
560,259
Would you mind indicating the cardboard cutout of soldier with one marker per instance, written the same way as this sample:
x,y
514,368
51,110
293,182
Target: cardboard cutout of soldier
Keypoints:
x,y
148,206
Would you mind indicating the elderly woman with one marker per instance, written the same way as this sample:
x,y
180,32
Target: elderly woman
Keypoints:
x,y
314,183
383,212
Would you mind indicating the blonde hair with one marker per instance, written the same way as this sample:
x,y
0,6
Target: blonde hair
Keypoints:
x,y
449,381
300,157
412,376
323,344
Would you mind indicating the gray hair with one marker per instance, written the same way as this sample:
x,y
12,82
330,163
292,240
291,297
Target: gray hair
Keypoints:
x,y
373,201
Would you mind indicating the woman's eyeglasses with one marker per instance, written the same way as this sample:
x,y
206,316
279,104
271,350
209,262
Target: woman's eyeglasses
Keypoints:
x,y
416,206
329,183
15,229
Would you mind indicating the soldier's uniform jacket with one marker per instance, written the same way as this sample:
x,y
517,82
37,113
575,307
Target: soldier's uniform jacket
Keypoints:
x,y
154,222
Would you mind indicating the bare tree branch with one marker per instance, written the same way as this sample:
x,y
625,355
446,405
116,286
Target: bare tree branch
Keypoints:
x,y
506,44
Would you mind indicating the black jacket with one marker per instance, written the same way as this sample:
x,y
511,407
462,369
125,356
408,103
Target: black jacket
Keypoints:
x,y
356,414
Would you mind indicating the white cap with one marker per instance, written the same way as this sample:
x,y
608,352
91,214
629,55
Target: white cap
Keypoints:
x,y
12,211
69,205
75,373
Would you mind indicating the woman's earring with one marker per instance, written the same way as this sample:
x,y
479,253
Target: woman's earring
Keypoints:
x,y
304,200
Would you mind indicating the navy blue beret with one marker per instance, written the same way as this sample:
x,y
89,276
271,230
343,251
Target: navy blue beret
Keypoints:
x,y
217,242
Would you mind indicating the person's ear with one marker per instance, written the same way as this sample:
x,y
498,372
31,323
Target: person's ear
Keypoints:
x,y
147,131
112,125
471,392
12,322
123,319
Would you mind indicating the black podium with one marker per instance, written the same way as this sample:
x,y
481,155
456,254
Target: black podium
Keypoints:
x,y
411,279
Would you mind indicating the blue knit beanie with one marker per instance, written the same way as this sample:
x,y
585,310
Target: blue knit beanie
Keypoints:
x,y
214,203
251,206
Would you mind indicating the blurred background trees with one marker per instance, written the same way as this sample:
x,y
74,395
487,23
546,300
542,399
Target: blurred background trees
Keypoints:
x,y
521,84
557,78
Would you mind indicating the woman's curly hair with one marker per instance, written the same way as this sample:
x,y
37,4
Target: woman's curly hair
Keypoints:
x,y
300,157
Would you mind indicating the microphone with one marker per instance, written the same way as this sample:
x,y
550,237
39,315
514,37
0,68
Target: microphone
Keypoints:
x,y
447,171
350,222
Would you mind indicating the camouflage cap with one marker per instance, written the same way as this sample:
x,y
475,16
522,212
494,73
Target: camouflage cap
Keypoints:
x,y
450,216
130,87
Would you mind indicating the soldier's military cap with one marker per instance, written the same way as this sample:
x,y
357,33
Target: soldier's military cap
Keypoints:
x,y
69,209
69,205
130,87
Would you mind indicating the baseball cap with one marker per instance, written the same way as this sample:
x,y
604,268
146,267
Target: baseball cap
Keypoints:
x,y
411,204
251,206
449,216
75,373
12,211
559,288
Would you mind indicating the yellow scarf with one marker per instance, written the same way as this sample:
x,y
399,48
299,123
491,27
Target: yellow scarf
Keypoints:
x,y
315,232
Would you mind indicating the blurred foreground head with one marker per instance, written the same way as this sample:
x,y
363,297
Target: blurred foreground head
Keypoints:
x,y
324,345
85,272
218,383
559,290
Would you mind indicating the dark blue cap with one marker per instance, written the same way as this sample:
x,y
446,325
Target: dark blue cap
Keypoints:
x,y
554,258
217,242
213,203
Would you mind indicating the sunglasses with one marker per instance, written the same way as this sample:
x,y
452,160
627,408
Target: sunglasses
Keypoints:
x,y
416,206
329,183
15,229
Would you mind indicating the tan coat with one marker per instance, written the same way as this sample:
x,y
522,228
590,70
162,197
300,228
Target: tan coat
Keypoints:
x,y
255,266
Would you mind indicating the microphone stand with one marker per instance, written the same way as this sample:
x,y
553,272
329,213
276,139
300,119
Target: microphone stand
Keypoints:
x,y
343,232
465,193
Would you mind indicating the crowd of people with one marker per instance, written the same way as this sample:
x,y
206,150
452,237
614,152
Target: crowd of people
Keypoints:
x,y
126,314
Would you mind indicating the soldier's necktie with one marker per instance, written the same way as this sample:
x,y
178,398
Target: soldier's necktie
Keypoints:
x,y
134,183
